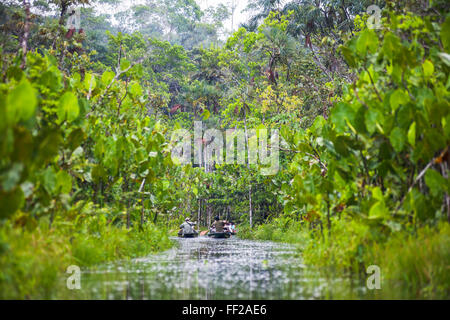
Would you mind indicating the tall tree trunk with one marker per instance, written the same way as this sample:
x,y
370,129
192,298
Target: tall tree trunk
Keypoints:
x,y
64,7
142,210
444,169
208,212
248,167
199,212
52,217
127,202
142,201
26,30
128,214
246,138
328,218
101,194
250,205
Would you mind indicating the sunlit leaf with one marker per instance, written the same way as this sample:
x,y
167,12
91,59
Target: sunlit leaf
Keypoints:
x,y
68,108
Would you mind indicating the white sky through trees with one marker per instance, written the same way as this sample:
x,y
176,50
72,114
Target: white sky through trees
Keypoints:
x,y
239,15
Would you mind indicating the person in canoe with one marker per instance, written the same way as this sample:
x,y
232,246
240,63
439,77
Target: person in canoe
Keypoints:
x,y
226,227
187,229
218,229
218,225
232,228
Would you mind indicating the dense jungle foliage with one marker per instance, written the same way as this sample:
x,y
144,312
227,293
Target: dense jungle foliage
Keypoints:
x,y
361,101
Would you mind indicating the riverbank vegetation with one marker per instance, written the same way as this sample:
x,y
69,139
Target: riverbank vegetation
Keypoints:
x,y
360,100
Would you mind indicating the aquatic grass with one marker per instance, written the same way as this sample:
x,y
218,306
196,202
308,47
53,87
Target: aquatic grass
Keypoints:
x,y
33,261
343,248
277,230
412,265
416,264
30,262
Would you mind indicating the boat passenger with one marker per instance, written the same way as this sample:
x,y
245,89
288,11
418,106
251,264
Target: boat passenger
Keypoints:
x,y
187,227
218,224
232,227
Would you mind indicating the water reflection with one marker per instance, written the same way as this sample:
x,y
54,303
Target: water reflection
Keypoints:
x,y
204,268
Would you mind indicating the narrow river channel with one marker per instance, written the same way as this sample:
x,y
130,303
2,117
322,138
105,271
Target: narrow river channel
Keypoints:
x,y
204,268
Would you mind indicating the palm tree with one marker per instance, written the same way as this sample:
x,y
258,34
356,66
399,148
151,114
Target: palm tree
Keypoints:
x,y
263,7
280,47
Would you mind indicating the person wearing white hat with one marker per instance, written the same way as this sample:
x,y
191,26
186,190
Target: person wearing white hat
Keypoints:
x,y
187,227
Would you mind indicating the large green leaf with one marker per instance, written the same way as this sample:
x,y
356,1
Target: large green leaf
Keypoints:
x,y
63,182
23,145
428,68
89,82
397,139
107,76
49,179
435,182
76,137
68,108
367,40
445,34
348,56
340,114
342,145
391,44
21,102
399,97
373,117
378,210
124,64
412,134
10,202
136,89
98,173
205,114
50,140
